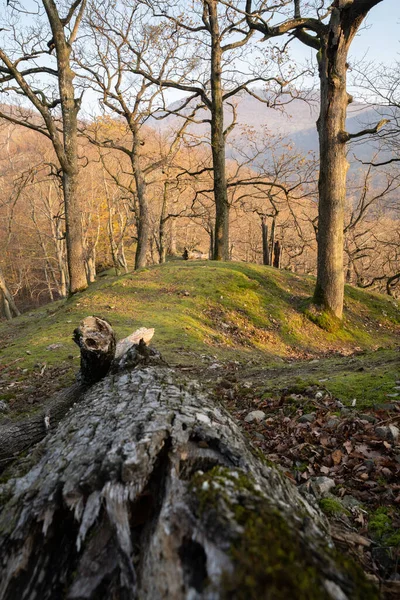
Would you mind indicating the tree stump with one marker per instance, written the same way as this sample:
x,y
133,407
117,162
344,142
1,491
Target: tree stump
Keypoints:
x,y
96,340
148,490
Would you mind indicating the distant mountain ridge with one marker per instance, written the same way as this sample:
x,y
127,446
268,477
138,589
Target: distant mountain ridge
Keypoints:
x,y
296,121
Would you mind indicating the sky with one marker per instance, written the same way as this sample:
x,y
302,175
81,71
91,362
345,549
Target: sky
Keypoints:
x,y
382,38
379,39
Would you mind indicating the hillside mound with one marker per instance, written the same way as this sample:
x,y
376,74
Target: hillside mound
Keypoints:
x,y
205,315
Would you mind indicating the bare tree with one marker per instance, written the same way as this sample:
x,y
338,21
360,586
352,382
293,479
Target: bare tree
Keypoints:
x,y
220,71
330,31
28,68
124,41
268,177
379,85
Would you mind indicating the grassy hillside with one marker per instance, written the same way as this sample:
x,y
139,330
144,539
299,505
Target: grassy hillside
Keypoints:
x,y
207,315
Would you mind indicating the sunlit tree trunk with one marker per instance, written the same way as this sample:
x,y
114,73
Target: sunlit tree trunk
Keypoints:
x,y
69,157
331,125
143,227
221,237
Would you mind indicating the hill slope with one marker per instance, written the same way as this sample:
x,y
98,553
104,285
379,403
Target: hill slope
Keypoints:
x,y
209,316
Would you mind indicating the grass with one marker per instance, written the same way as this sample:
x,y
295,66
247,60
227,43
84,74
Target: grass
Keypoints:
x,y
204,311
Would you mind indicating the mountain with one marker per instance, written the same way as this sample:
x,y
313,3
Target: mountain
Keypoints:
x,y
296,121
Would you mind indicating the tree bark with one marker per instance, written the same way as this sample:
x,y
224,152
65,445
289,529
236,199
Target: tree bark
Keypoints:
x,y
10,307
221,236
143,228
332,40
335,43
149,490
96,341
265,242
69,156
329,290
162,247
73,233
172,250
277,254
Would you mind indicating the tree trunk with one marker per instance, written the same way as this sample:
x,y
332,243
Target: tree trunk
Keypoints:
x,y
272,238
335,44
10,307
149,490
73,233
90,264
5,307
211,246
329,289
69,158
265,241
59,243
143,228
172,251
162,249
277,254
96,340
221,237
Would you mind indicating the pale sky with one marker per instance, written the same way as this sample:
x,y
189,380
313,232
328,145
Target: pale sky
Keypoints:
x,y
379,39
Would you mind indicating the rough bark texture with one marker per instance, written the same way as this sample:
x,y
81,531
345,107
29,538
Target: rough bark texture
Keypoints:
x,y
73,232
16,437
335,43
148,490
329,289
221,236
264,230
96,341
68,155
143,228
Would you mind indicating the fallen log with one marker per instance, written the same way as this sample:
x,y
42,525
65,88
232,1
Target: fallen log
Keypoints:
x,y
148,490
96,340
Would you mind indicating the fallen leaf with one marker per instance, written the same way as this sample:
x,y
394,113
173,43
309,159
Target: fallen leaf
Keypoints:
x,y
337,457
348,446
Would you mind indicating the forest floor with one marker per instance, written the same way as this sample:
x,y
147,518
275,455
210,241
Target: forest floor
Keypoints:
x,y
327,402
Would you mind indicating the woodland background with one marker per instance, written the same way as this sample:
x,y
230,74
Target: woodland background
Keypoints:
x,y
271,153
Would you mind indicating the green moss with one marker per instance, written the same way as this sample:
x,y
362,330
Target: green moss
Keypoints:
x,y
269,562
324,319
227,311
269,557
331,506
381,527
371,384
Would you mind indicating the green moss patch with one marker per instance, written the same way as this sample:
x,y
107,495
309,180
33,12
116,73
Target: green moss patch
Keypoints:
x,y
332,507
202,312
323,319
269,556
381,526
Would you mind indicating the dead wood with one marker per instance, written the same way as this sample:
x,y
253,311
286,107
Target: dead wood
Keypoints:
x,y
96,341
148,489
